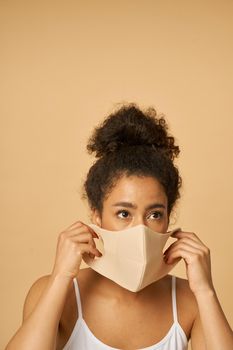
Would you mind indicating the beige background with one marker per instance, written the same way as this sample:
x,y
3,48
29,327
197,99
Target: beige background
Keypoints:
x,y
64,66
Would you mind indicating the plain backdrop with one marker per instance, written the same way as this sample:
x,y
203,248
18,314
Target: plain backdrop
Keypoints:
x,y
64,66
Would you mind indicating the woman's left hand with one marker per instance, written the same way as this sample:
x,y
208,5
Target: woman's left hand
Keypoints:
x,y
197,259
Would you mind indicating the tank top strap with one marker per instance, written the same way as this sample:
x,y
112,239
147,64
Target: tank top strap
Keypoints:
x,y
174,304
78,298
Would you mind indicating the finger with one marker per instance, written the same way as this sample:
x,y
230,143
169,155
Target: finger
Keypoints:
x,y
83,238
88,248
187,253
191,235
172,261
82,229
175,230
189,242
74,225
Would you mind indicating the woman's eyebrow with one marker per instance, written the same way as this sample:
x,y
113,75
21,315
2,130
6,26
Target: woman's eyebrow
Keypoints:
x,y
133,206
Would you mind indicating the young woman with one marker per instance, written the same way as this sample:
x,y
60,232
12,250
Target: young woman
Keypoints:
x,y
133,182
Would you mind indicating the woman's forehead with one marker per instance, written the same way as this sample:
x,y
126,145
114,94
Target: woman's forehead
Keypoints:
x,y
136,189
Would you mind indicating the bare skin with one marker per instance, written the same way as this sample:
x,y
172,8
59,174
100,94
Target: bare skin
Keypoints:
x,y
116,316
133,320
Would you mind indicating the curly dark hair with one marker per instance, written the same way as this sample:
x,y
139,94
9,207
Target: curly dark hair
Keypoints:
x,y
128,142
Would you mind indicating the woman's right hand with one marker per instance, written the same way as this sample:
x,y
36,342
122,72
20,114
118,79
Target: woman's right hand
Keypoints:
x,y
72,243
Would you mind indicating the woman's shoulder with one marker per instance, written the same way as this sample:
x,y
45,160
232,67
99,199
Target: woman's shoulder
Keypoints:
x,y
34,294
37,288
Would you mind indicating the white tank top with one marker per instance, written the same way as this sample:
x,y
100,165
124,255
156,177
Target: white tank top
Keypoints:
x,y
83,339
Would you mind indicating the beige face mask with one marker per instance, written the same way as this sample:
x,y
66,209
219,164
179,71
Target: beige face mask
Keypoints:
x,y
133,257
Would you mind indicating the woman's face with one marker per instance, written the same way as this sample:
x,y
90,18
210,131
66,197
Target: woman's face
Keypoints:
x,y
134,200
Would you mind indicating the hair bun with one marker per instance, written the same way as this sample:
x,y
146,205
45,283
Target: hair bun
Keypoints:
x,y
130,126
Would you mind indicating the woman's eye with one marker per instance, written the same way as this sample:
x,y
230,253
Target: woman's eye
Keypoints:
x,y
122,214
156,215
